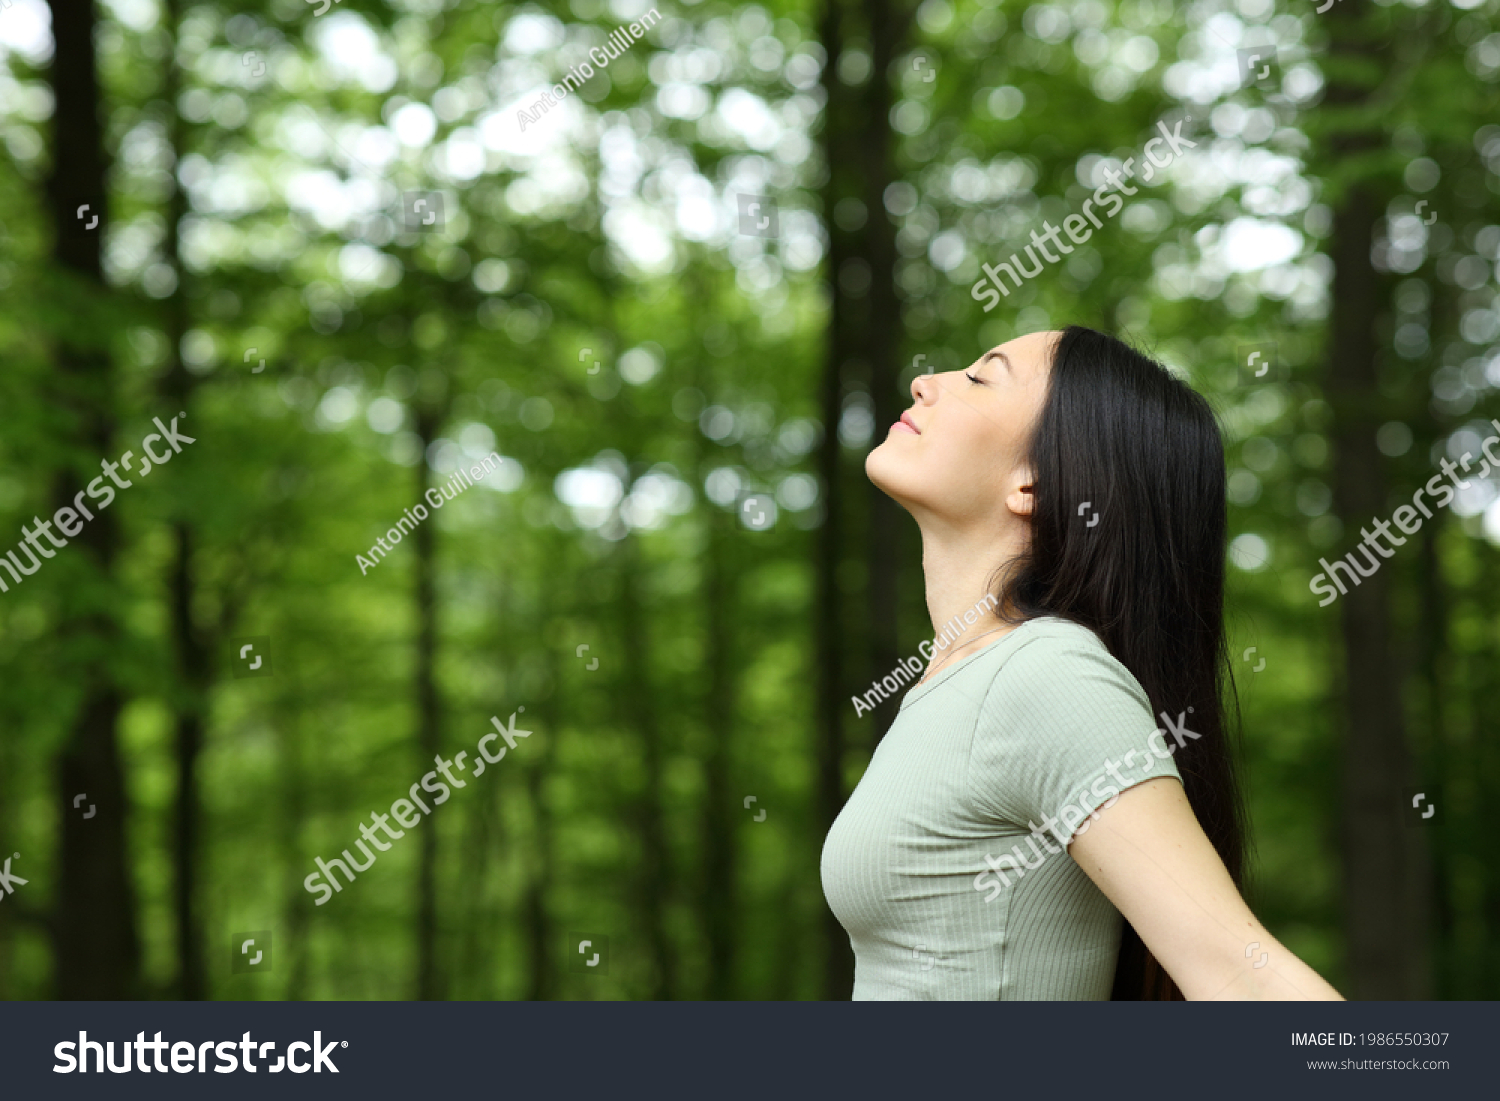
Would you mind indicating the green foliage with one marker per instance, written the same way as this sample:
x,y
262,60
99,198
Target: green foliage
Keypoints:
x,y
606,232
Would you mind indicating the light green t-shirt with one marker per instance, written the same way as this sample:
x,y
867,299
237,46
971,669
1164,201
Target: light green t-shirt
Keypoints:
x,y
1042,727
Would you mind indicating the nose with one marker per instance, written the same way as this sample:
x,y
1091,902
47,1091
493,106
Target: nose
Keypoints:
x,y
924,389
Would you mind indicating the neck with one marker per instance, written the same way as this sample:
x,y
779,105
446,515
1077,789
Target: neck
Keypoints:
x,y
961,567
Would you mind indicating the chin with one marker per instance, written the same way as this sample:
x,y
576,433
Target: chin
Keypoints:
x,y
888,471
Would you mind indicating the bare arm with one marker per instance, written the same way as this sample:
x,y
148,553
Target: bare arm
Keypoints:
x,y
1151,858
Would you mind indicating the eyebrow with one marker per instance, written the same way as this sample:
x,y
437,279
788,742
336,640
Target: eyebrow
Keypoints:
x,y
997,352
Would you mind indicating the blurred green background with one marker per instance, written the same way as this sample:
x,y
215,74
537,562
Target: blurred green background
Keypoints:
x,y
592,306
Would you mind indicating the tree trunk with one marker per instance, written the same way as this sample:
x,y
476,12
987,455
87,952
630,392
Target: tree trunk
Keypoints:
x,y
429,974
96,949
1473,767
864,330
193,664
192,980
541,933
879,334
294,955
473,917
1386,941
828,623
654,880
723,807
1433,660
721,814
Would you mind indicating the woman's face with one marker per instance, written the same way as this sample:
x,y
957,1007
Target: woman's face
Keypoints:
x,y
959,453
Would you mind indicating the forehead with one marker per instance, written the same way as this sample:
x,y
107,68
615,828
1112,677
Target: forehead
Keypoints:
x,y
1030,355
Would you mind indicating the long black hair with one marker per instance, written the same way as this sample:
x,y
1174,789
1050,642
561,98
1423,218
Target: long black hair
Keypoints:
x,y
1142,566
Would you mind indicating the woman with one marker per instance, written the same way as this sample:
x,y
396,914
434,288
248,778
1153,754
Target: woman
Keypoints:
x,y
1025,798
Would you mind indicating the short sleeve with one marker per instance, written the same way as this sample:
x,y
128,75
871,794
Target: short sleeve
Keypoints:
x,y
1063,729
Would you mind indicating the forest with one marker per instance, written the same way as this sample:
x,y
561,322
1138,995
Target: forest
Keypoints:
x,y
404,395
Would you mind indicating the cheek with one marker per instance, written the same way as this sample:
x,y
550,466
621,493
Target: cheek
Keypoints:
x,y
973,446
975,461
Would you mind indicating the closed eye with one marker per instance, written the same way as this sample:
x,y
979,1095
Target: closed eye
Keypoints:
x,y
971,378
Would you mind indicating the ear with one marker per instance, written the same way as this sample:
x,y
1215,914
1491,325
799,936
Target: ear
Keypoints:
x,y
1021,500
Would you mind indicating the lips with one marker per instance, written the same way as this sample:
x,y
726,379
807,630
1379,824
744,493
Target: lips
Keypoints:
x,y
907,424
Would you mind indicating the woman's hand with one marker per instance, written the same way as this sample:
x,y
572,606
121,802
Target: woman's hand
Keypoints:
x,y
1150,857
